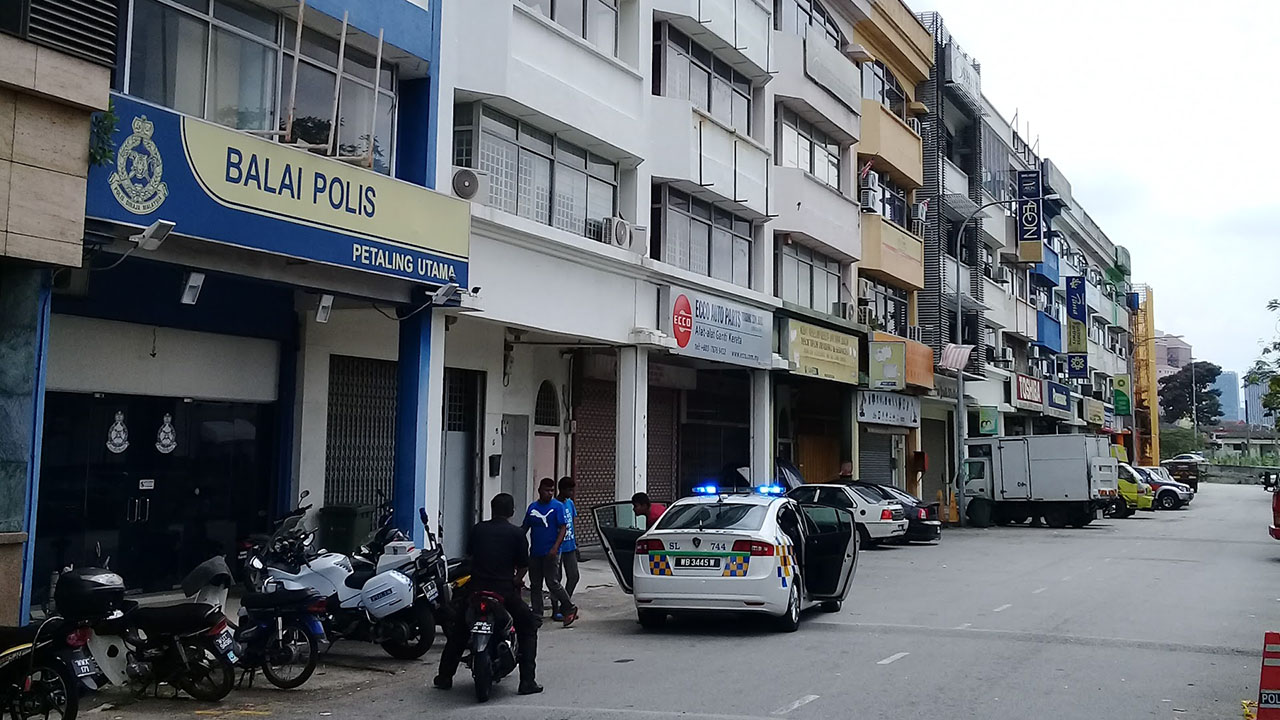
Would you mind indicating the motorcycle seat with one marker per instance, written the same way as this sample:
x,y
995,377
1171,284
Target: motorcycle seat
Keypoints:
x,y
173,619
277,599
11,637
360,576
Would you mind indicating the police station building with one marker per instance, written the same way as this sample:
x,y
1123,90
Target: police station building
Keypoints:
x,y
266,280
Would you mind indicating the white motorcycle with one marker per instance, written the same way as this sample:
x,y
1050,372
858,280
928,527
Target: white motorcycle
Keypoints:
x,y
389,599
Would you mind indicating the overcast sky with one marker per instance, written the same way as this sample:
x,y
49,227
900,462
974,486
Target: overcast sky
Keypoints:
x,y
1162,115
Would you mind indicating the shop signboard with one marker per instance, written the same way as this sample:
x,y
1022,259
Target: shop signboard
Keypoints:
x,y
1077,329
887,365
820,352
1094,413
886,408
1109,418
712,328
233,188
1030,217
1057,400
988,421
1028,392
1123,385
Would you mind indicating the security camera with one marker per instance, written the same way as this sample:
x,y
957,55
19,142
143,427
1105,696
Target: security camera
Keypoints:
x,y
444,294
155,234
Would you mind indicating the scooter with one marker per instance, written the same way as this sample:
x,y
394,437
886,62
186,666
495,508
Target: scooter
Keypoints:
x,y
42,667
493,649
280,633
389,600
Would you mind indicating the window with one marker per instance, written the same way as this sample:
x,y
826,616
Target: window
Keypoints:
x,y
594,20
536,175
693,72
702,238
893,201
225,61
888,306
878,83
801,145
808,19
546,409
808,278
716,516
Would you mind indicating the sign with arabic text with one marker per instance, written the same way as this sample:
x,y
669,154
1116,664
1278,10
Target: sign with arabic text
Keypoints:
x,y
885,408
821,352
887,364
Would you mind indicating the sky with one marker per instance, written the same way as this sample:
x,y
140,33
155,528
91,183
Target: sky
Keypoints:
x,y
1162,117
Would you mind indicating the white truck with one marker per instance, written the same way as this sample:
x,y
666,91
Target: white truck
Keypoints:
x,y
1066,479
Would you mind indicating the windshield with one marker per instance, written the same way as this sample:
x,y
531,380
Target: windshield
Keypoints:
x,y
902,496
714,516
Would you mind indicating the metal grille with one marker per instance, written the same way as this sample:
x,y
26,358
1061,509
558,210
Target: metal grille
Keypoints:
x,y
460,401
546,410
360,453
84,28
935,322
594,451
664,433
875,458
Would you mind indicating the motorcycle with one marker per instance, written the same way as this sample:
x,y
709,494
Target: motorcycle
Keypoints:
x,y
262,546
280,633
189,646
42,667
492,649
388,593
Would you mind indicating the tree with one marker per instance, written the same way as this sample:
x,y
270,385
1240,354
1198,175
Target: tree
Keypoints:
x,y
1176,440
1266,372
1176,394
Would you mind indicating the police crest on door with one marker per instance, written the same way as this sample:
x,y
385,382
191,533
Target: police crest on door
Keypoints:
x,y
118,435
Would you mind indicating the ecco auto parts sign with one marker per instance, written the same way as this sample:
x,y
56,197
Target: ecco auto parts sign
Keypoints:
x,y
712,328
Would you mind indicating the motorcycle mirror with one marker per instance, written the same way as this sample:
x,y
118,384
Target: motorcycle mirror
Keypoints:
x,y
303,495
422,513
255,563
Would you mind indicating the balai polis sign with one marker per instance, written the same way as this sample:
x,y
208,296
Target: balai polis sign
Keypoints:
x,y
229,187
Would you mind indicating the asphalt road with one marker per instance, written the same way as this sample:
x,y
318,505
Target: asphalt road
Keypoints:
x,y
1159,615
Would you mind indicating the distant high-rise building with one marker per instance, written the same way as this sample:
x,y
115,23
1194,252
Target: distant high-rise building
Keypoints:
x,y
1172,354
1228,384
1253,405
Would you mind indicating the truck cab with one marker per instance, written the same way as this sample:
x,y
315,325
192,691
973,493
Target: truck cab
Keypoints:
x,y
1135,491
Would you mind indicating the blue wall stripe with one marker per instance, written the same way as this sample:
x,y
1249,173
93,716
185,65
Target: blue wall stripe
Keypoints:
x,y
37,436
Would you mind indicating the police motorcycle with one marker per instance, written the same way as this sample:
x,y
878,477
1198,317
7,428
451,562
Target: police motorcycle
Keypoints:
x,y
388,593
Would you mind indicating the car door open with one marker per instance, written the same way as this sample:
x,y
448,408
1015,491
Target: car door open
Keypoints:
x,y
619,532
831,553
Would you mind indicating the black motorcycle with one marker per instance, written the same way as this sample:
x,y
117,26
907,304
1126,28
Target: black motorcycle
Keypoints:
x,y
42,667
493,649
280,633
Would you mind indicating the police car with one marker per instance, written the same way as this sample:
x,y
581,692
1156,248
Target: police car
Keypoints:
x,y
753,552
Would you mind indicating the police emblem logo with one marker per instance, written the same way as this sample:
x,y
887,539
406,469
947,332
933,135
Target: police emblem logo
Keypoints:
x,y
697,542
137,183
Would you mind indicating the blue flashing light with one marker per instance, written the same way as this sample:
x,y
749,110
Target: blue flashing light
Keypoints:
x,y
707,489
771,489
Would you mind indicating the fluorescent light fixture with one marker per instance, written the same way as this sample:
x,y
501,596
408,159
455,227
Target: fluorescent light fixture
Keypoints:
x,y
324,308
155,234
191,287
444,294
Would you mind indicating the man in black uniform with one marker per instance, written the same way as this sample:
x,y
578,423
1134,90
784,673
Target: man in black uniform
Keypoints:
x,y
499,561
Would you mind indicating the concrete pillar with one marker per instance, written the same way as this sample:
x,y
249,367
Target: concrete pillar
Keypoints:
x,y
24,339
761,426
419,409
632,458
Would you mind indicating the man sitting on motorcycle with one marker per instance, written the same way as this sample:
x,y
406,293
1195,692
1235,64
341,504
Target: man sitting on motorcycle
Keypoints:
x,y
499,560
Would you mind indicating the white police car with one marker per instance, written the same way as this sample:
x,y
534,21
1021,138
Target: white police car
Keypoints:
x,y
757,552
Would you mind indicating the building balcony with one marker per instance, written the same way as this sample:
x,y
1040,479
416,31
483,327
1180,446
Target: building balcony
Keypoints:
x,y
919,373
968,288
956,202
818,82
1000,304
1025,324
819,214
1047,273
887,137
735,30
1093,297
701,156
1048,332
891,254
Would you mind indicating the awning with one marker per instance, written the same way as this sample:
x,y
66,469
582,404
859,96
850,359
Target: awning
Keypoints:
x,y
958,207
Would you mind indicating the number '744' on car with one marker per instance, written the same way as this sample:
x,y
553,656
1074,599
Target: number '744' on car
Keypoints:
x,y
719,552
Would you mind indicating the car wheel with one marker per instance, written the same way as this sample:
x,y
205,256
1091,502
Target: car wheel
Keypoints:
x,y
867,541
832,606
790,620
1168,501
652,619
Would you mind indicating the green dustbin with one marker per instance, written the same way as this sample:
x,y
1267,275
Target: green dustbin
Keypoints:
x,y
343,528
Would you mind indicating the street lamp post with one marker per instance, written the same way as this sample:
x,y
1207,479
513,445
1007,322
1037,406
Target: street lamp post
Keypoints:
x,y
962,413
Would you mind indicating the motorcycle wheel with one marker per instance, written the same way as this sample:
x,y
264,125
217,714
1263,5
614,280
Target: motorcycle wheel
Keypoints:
x,y
482,674
292,658
209,675
53,693
418,645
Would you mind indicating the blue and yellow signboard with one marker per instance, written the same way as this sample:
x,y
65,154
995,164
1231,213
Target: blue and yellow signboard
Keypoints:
x,y
1077,329
229,187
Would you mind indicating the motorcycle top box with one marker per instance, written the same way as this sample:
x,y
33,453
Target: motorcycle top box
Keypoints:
x,y
88,593
387,593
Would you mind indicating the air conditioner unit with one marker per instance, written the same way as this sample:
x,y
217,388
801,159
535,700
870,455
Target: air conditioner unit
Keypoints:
x,y
919,211
1006,276
914,124
869,199
1036,352
470,185
871,181
617,232
1006,354
844,310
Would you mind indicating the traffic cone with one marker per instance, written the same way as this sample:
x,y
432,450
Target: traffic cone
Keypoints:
x,y
1269,683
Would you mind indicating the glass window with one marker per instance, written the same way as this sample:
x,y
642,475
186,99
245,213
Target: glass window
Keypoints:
x,y
719,249
600,205
879,83
242,82
500,158
571,199
893,201
721,254
712,85
534,187
889,308
168,59
808,148
807,18
714,516
809,279
250,18
602,25
700,248
313,105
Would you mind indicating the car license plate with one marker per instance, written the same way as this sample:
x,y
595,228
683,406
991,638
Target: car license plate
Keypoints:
x,y
482,627
84,667
704,563
226,644
429,589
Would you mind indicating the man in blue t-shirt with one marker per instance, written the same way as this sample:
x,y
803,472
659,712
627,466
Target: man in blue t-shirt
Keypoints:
x,y
569,547
547,525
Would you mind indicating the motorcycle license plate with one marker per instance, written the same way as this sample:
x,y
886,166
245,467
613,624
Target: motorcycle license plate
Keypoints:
x,y
429,589
226,645
83,667
482,627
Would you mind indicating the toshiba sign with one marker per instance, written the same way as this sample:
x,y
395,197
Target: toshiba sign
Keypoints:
x,y
712,328
1028,393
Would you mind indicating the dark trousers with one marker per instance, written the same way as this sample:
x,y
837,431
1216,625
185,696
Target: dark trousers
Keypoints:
x,y
569,562
546,569
526,624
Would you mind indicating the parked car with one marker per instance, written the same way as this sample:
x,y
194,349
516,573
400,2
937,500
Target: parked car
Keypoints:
x,y
1134,490
1275,516
878,519
923,524
1187,472
1169,493
1188,457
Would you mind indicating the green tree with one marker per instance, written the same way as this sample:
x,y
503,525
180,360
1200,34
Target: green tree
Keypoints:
x,y
1176,440
1176,394
1266,372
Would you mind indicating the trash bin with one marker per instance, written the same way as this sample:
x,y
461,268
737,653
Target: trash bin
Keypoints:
x,y
344,527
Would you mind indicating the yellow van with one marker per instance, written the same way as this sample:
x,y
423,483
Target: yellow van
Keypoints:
x,y
1136,492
